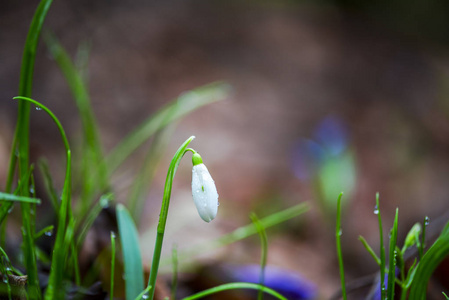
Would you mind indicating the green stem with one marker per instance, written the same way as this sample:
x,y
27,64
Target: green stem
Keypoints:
x,y
164,213
382,250
338,242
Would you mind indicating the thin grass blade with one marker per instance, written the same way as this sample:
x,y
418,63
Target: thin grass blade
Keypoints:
x,y
143,180
369,249
91,217
48,183
21,141
111,293
233,286
264,251
338,243
92,152
14,198
179,107
382,248
55,286
244,231
392,258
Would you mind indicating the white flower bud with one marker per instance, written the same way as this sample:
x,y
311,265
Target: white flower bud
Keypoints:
x,y
204,192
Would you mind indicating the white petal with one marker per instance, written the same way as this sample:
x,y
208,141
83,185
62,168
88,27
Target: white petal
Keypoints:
x,y
204,193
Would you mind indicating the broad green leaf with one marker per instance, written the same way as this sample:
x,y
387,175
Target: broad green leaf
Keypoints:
x,y
132,258
429,262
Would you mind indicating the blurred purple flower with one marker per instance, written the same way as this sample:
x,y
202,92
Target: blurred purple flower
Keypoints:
x,y
377,292
330,140
289,284
332,135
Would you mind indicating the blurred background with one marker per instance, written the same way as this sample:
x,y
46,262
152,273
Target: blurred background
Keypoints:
x,y
328,96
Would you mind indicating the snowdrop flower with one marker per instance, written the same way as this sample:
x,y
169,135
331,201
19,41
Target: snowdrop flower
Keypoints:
x,y
204,191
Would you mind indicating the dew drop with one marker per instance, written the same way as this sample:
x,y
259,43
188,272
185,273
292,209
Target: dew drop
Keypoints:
x,y
48,233
10,209
38,108
376,210
426,221
145,296
340,232
32,189
218,203
113,234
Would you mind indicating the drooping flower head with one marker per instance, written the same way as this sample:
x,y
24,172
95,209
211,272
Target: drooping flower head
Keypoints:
x,y
204,191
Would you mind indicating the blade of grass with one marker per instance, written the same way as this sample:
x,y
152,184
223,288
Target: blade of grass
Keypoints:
x,y
6,208
422,245
55,285
111,293
44,231
48,182
264,250
244,231
235,285
93,153
369,249
14,198
181,106
143,294
91,217
338,242
21,141
131,253
142,182
392,258
382,248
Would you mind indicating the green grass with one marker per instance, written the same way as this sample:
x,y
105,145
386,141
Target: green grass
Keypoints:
x,y
264,250
338,232
92,171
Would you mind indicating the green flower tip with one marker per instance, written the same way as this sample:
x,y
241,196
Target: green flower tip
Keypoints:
x,y
196,159
412,236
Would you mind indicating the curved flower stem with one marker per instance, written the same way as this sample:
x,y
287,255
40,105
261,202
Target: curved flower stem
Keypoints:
x,y
164,212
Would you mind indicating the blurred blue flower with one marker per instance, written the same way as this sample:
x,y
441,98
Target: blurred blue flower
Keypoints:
x,y
289,284
332,135
377,292
327,161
